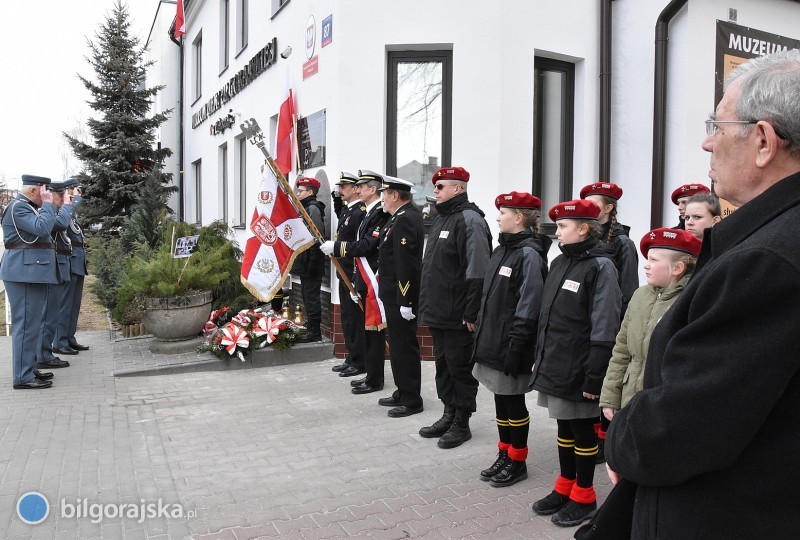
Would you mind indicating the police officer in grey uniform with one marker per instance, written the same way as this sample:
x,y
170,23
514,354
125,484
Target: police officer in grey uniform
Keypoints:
x,y
64,341
28,266
46,358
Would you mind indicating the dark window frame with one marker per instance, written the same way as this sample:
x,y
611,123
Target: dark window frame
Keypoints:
x,y
567,69
242,25
197,181
197,62
241,179
223,159
225,36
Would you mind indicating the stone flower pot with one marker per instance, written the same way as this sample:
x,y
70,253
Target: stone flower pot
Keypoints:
x,y
177,318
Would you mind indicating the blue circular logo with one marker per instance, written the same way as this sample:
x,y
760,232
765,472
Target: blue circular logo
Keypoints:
x,y
32,508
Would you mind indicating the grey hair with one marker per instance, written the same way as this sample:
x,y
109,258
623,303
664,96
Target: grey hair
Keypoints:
x,y
770,91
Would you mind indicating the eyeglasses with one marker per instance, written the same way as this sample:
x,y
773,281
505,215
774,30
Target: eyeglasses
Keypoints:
x,y
440,187
713,125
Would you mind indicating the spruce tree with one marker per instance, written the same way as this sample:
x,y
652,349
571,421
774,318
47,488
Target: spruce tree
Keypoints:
x,y
122,154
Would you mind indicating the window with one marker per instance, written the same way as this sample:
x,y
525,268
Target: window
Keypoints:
x,y
224,34
419,123
223,180
554,133
241,25
277,5
241,182
197,62
193,195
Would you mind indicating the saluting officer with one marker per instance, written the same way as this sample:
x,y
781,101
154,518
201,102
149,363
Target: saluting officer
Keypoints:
x,y
364,251
28,266
73,292
399,268
350,216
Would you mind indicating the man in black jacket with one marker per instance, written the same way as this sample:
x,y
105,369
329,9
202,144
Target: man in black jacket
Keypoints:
x,y
458,250
713,438
310,265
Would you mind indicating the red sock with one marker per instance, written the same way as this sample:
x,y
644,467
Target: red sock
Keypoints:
x,y
564,486
583,495
503,445
518,454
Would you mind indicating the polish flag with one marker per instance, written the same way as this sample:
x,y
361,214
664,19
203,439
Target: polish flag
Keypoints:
x,y
284,142
180,23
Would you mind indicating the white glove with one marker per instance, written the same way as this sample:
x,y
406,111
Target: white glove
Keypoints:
x,y
355,298
326,247
406,313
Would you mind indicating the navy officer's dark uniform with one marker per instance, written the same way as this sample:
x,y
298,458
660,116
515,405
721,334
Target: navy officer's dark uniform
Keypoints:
x,y
399,267
28,266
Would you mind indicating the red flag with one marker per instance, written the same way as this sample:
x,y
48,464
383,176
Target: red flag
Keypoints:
x,y
180,23
374,313
280,234
283,145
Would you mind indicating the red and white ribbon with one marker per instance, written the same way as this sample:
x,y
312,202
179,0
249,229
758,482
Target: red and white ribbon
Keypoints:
x,y
234,336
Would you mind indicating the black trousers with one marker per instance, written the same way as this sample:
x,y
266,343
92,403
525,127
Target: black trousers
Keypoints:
x,y
404,356
374,355
311,286
455,384
352,327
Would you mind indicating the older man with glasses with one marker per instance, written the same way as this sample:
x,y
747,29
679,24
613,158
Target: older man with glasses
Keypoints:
x,y
713,438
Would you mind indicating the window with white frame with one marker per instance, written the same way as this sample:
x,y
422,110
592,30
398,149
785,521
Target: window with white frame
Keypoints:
x,y
197,64
224,34
242,9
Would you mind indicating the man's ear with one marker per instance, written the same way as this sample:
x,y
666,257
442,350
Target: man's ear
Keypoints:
x,y
767,142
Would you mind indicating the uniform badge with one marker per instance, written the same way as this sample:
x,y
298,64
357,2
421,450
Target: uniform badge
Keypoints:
x,y
571,285
403,241
505,271
444,234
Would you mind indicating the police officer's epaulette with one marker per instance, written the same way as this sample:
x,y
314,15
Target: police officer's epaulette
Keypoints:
x,y
363,208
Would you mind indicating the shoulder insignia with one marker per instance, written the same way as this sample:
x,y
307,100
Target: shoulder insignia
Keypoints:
x,y
404,288
403,241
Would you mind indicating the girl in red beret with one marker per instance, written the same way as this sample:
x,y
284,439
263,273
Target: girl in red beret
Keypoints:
x,y
578,323
506,329
670,258
702,212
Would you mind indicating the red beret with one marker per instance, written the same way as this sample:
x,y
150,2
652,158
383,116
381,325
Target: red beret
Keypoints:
x,y
307,182
577,209
602,188
451,173
687,190
675,239
518,200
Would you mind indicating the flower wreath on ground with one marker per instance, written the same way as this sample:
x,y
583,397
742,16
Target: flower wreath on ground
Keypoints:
x,y
227,333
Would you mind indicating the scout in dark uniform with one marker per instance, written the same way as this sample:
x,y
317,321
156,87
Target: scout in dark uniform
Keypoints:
x,y
73,292
453,268
364,252
681,195
28,266
350,215
46,358
310,265
399,269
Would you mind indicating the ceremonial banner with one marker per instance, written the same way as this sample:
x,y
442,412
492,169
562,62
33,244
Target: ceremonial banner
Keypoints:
x,y
374,314
279,235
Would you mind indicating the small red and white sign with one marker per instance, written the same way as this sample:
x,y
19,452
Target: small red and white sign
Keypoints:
x,y
311,67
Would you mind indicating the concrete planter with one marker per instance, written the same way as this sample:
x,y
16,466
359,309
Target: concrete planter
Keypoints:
x,y
177,318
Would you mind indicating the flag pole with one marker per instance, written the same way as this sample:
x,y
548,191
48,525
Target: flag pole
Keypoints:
x,y
251,129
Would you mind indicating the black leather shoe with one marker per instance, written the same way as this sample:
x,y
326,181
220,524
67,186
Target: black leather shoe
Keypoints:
x,y
358,382
513,472
390,401
53,364
308,337
340,367
67,350
78,347
403,410
33,385
366,389
40,376
351,371
496,467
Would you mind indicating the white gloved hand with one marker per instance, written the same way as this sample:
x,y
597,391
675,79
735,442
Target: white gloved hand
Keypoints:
x,y
326,247
355,298
407,313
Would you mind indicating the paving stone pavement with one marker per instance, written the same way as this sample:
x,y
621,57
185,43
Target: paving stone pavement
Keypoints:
x,y
273,452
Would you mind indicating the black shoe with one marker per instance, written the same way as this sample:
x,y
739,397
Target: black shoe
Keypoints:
x,y
340,367
574,513
601,451
366,389
53,364
458,433
440,427
496,467
390,401
550,504
78,347
351,371
358,382
403,410
66,350
40,376
33,385
513,472
309,337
